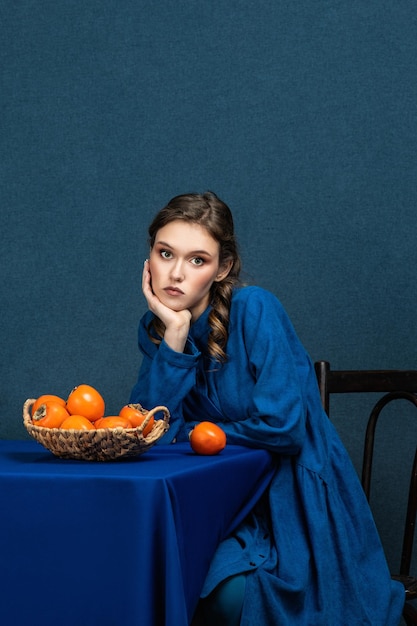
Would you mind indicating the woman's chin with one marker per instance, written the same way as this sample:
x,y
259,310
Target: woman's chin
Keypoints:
x,y
170,303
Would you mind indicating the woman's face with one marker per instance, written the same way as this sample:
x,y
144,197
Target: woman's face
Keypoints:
x,y
184,263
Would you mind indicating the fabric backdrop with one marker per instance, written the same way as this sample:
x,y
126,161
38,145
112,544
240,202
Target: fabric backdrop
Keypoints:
x,y
300,115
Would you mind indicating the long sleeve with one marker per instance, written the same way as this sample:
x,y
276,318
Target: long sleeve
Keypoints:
x,y
260,391
165,377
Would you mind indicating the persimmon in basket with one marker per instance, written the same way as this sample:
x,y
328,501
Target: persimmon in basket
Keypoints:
x,y
207,438
49,414
113,421
87,401
46,397
136,415
77,422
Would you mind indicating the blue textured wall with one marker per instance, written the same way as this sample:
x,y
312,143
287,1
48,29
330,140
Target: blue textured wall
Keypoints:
x,y
301,115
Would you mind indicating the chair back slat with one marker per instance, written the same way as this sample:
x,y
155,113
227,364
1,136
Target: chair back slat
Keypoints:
x,y
372,381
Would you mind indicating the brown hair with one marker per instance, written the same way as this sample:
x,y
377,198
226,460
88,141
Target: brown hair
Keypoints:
x,y
208,211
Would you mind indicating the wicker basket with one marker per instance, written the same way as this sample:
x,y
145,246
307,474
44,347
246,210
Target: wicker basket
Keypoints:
x,y
102,444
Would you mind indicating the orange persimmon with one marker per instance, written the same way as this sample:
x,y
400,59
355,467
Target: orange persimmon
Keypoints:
x,y
207,438
46,397
113,421
86,400
77,422
137,416
50,415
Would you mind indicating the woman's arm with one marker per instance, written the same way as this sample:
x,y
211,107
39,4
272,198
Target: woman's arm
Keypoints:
x,y
263,390
165,377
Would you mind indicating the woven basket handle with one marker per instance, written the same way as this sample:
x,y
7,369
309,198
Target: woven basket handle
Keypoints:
x,y
159,427
152,412
26,410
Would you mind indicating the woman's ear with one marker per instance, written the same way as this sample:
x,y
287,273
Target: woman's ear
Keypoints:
x,y
223,271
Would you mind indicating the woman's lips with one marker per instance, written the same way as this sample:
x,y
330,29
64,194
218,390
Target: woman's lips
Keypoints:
x,y
173,291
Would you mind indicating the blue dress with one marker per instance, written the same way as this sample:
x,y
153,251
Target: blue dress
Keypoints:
x,y
310,546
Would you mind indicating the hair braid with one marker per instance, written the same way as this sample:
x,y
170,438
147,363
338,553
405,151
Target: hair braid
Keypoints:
x,y
219,319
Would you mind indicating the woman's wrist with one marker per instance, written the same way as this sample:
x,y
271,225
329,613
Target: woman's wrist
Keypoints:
x,y
176,338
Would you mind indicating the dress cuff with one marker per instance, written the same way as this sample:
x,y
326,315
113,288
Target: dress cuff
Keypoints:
x,y
185,359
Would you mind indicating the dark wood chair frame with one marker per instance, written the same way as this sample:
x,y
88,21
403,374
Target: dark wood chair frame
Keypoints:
x,y
395,385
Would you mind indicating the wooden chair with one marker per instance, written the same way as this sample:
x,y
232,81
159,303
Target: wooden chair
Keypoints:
x,y
394,385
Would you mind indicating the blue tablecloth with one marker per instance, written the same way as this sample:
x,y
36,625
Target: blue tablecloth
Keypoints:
x,y
124,543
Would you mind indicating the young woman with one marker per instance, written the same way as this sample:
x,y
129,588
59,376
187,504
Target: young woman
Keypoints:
x,y
309,553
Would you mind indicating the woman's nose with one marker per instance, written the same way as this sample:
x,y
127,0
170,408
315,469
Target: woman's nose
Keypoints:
x,y
177,272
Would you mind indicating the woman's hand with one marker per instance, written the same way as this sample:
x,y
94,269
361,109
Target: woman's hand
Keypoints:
x,y
177,323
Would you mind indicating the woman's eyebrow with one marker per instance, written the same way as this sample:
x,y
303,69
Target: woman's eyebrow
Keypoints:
x,y
167,245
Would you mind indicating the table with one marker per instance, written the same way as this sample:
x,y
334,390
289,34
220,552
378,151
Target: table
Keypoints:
x,y
125,543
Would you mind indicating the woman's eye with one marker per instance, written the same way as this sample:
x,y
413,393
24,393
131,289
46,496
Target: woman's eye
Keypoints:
x,y
165,254
197,261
